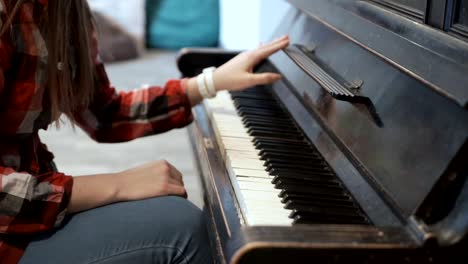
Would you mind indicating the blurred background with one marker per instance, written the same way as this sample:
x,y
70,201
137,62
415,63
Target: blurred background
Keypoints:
x,y
139,40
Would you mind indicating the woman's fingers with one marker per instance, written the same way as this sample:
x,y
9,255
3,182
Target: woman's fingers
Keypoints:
x,y
278,40
174,189
176,181
175,173
273,47
265,78
263,45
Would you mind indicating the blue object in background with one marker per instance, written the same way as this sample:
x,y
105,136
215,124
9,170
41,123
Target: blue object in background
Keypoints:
x,y
174,24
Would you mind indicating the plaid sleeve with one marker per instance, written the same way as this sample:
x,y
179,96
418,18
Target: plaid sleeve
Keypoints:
x,y
122,116
31,204
6,47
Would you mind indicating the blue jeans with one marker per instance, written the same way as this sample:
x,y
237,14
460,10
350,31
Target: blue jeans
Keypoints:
x,y
159,230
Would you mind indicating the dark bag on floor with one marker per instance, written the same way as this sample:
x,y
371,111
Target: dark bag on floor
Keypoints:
x,y
115,44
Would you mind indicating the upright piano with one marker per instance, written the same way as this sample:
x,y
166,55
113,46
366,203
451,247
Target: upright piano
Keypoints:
x,y
359,154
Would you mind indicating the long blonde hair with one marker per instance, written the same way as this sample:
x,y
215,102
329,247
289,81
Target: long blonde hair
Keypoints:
x,y
67,28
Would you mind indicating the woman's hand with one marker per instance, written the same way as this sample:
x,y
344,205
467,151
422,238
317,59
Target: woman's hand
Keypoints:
x,y
237,74
154,179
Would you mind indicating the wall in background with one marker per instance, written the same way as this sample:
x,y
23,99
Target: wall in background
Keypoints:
x,y
246,23
272,13
130,15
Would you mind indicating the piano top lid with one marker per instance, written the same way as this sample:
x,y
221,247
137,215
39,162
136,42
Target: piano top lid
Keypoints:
x,y
373,28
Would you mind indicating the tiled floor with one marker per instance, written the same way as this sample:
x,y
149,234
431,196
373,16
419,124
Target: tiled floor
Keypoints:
x,y
76,154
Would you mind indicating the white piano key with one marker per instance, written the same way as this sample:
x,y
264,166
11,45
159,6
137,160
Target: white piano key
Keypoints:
x,y
257,186
242,154
253,179
252,173
243,163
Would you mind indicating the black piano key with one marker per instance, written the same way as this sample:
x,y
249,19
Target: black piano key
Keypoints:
x,y
317,174
296,189
267,112
267,156
275,169
308,197
299,173
272,138
296,204
283,182
283,144
310,188
257,103
287,133
286,184
253,92
308,218
271,152
277,143
263,113
275,129
279,155
299,161
275,134
301,168
252,97
243,107
343,200
265,118
280,129
325,211
302,177
265,108
275,172
295,167
284,121
269,124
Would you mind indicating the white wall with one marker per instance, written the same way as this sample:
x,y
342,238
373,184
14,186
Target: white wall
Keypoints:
x,y
271,15
246,23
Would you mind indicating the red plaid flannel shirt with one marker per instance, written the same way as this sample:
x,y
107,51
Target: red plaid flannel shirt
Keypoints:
x,y
34,198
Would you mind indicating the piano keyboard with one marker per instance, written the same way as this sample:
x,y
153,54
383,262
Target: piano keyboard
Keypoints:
x,y
278,177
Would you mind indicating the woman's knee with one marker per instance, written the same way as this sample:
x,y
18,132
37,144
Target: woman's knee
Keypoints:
x,y
184,226
179,216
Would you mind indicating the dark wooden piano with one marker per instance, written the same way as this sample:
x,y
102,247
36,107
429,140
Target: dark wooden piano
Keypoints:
x,y
359,155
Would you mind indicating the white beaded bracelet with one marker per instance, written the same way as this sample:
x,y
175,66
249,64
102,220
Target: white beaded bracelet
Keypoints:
x,y
202,86
210,86
205,82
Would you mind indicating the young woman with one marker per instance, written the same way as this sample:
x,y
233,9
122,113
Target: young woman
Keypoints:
x,y
49,66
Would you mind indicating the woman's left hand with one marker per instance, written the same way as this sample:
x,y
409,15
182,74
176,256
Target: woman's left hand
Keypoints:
x,y
237,74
